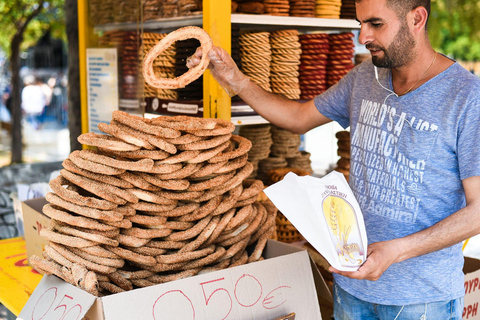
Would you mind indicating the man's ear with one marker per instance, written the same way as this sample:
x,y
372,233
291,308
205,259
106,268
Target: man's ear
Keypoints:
x,y
419,17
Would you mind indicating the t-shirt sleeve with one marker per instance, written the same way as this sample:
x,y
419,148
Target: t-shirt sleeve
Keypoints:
x,y
335,102
468,140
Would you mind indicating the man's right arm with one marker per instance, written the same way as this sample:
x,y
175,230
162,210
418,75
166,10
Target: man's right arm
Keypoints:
x,y
288,114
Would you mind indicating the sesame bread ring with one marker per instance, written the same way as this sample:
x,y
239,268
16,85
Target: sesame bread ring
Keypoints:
x,y
120,281
229,200
185,256
160,168
202,211
143,283
132,256
145,165
52,254
221,128
233,164
145,220
211,258
45,266
206,143
169,245
137,154
240,216
130,241
248,231
190,233
115,263
236,248
78,221
180,210
101,252
100,177
243,145
210,153
106,142
141,124
90,265
251,188
184,123
207,169
239,259
152,207
138,181
257,252
185,172
183,195
220,226
151,197
110,287
83,211
124,135
147,251
157,279
181,184
93,166
147,233
135,275
184,139
210,183
75,197
180,157
106,233
97,238
202,237
101,190
123,224
70,241
193,73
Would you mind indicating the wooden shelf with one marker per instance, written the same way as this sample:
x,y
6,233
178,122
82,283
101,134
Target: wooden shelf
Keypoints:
x,y
243,20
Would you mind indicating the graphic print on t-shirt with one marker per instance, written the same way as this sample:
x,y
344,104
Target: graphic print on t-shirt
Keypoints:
x,y
389,152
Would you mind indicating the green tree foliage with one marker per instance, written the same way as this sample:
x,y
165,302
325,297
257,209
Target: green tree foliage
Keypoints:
x,y
13,13
454,28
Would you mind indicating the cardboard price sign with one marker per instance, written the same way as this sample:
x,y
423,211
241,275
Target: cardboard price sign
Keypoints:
x,y
245,293
56,299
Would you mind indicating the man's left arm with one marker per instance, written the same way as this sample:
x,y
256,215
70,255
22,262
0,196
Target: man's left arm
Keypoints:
x,y
457,227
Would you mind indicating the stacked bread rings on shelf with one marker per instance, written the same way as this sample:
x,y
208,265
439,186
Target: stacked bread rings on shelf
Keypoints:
x,y
157,200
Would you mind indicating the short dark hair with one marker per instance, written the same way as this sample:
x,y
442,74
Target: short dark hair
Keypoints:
x,y
402,7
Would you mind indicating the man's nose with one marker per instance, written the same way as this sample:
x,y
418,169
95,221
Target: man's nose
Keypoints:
x,y
365,35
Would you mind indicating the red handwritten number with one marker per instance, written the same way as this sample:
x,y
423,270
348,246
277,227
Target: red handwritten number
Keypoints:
x,y
269,301
207,299
42,304
237,288
64,314
173,297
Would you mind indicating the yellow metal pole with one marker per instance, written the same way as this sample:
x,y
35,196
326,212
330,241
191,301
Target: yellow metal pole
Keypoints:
x,y
217,22
83,35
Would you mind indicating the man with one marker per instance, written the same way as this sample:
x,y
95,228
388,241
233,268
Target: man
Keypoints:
x,y
413,116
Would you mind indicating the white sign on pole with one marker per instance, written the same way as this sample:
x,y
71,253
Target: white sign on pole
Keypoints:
x,y
102,86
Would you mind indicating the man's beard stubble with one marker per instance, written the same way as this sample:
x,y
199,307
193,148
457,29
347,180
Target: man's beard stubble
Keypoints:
x,y
398,53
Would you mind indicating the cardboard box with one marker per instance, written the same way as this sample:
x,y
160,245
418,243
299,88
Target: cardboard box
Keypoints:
x,y
471,269
285,282
33,221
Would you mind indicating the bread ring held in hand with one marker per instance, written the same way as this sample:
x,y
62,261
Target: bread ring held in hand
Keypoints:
x,y
193,73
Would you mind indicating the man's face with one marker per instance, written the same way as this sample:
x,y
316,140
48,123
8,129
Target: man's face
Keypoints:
x,y
386,36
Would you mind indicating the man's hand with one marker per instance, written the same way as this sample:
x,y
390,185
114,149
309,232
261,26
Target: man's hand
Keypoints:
x,y
223,69
380,256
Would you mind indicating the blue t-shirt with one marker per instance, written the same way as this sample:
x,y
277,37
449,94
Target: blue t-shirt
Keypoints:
x,y
409,155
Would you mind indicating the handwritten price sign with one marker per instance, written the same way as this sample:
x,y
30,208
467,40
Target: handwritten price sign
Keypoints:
x,y
55,299
264,290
